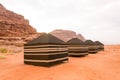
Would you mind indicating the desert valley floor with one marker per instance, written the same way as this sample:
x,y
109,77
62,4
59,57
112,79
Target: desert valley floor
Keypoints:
x,y
104,65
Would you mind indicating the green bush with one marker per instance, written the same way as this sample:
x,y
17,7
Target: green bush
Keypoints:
x,y
3,50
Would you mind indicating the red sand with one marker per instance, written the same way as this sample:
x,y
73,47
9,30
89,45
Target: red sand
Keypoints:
x,y
104,65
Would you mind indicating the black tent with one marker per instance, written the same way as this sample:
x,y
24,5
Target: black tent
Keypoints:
x,y
100,45
92,48
76,47
46,50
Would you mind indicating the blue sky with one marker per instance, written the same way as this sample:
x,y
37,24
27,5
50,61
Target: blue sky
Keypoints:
x,y
94,19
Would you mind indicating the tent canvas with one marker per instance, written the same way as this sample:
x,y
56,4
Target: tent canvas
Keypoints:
x,y
76,47
46,50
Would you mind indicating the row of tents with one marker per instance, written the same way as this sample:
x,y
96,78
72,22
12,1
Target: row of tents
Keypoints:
x,y
48,50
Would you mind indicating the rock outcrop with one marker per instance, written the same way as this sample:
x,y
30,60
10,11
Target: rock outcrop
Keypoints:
x,y
79,36
13,25
18,41
66,35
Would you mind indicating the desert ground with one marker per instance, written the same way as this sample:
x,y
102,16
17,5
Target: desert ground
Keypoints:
x,y
104,65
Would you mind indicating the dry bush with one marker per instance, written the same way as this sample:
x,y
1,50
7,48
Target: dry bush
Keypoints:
x,y
3,50
2,57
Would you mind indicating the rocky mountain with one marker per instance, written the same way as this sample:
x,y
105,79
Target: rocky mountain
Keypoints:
x,y
79,36
13,24
66,35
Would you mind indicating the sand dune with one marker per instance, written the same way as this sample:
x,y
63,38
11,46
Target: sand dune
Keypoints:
x,y
104,65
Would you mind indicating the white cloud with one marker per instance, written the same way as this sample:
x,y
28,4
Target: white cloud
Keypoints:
x,y
95,19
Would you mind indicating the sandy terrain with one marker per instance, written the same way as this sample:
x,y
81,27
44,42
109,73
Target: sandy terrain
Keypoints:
x,y
104,65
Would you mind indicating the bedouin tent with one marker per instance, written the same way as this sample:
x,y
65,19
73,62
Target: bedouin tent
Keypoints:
x,y
46,50
76,47
92,48
99,45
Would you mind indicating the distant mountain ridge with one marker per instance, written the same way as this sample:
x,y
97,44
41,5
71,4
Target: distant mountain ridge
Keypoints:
x,y
66,35
13,24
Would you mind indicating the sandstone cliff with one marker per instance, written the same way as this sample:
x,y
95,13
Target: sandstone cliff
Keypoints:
x,y
79,36
13,25
66,35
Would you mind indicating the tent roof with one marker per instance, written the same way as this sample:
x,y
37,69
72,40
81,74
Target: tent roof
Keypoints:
x,y
98,43
89,42
45,39
75,41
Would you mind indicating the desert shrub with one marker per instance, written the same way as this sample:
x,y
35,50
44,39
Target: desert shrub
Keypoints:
x,y
10,52
2,57
3,50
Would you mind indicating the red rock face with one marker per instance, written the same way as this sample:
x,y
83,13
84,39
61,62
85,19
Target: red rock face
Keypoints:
x,y
12,24
66,35
79,36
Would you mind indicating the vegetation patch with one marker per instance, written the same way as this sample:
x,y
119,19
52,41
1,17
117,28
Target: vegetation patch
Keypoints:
x,y
2,57
3,50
